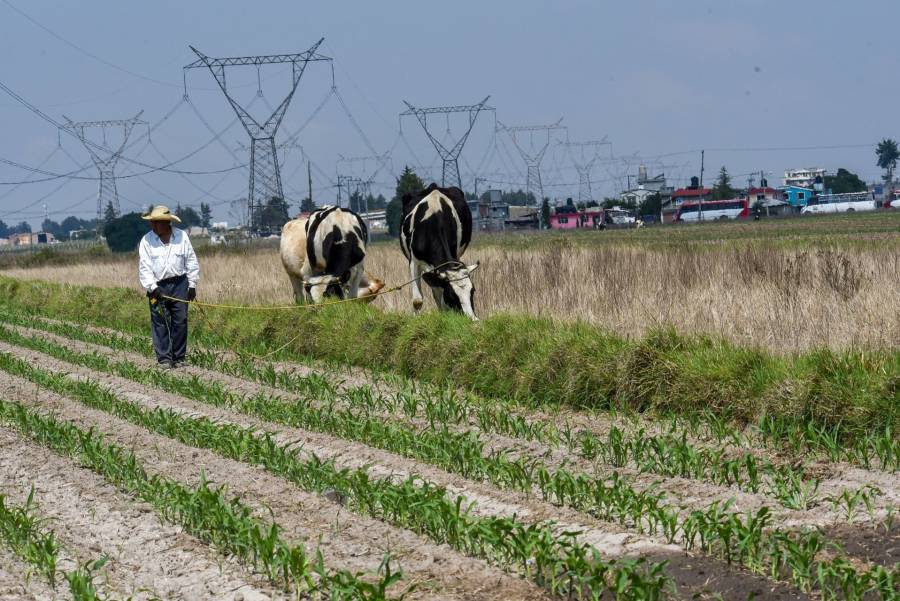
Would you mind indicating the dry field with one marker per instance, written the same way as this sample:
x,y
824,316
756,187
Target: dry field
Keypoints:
x,y
784,297
402,490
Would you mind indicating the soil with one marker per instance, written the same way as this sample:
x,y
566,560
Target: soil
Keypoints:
x,y
147,559
18,584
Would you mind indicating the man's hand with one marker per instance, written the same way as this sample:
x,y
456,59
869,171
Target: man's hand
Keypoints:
x,y
192,294
154,294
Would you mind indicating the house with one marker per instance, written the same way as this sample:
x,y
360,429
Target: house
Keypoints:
x,y
804,178
646,187
30,238
692,193
796,196
521,218
589,219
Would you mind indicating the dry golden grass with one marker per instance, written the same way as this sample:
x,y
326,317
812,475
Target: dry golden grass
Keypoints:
x,y
783,299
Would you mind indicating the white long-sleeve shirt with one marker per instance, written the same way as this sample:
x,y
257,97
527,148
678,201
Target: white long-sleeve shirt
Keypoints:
x,y
159,261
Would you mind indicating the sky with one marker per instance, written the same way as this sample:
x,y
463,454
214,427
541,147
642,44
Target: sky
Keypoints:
x,y
760,85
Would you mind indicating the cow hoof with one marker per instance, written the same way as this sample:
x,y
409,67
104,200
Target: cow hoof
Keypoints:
x,y
417,304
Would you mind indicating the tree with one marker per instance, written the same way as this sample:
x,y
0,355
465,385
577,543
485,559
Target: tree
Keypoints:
x,y
205,216
274,214
110,212
5,230
888,153
843,182
307,205
545,213
408,183
651,205
189,217
23,228
124,233
48,225
722,189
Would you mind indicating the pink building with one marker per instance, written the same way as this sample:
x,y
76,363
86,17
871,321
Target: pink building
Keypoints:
x,y
580,220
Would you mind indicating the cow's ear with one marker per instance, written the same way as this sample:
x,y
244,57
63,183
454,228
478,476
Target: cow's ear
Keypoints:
x,y
472,268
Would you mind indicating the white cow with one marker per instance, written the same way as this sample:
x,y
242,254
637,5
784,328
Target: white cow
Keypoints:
x,y
324,253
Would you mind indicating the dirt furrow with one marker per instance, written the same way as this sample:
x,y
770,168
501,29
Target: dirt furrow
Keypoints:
x,y
688,492
147,559
18,584
347,540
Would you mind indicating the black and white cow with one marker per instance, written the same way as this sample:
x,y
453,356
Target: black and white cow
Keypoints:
x,y
335,253
435,231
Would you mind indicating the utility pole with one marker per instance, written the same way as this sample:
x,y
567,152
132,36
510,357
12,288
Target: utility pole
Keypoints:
x,y
265,173
105,162
309,180
450,156
532,155
700,198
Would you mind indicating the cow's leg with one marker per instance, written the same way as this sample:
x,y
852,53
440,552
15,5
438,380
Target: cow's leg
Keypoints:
x,y
415,284
299,292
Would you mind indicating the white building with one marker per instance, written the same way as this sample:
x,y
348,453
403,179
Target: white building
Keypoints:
x,y
804,178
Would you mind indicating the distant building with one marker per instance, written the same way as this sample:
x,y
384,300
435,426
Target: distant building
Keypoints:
x,y
522,218
490,214
804,178
797,196
28,239
681,196
589,219
646,187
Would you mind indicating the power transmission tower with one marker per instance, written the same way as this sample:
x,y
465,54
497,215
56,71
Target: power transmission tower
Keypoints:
x,y
449,156
533,154
382,162
584,162
265,173
105,161
348,183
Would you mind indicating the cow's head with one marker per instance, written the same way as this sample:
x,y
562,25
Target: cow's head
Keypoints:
x,y
318,286
458,291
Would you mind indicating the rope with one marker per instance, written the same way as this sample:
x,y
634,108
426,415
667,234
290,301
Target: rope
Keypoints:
x,y
381,292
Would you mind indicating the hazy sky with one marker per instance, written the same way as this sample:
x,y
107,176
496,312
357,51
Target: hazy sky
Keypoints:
x,y
657,78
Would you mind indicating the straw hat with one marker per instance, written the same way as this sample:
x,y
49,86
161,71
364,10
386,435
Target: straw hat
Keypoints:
x,y
161,213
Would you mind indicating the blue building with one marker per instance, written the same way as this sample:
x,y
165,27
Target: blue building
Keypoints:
x,y
796,196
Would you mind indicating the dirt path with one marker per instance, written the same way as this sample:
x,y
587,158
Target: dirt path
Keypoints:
x,y
16,584
148,559
348,541
687,492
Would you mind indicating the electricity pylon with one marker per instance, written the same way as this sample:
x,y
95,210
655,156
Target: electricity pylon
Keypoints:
x,y
533,154
584,163
449,156
265,174
105,161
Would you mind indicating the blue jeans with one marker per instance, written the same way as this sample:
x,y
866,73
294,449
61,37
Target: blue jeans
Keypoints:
x,y
168,321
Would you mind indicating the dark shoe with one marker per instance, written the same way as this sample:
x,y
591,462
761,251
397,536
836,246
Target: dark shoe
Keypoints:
x,y
177,364
165,364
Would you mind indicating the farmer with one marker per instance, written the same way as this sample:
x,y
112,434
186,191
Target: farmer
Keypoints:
x,y
168,267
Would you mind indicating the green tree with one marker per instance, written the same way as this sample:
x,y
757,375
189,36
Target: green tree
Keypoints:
x,y
408,183
307,205
843,182
545,213
722,189
205,216
124,233
273,215
109,213
651,205
5,230
23,228
189,217
888,153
